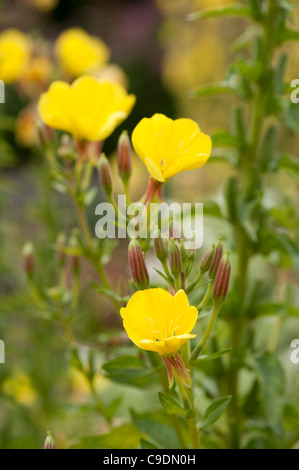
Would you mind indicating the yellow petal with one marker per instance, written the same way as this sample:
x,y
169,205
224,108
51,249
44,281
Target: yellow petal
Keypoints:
x,y
169,146
55,106
89,109
166,347
156,321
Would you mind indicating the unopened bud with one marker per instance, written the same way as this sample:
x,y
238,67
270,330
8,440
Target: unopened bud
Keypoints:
x,y
28,261
60,243
105,174
207,259
175,260
160,248
222,279
124,156
137,264
216,260
49,442
74,258
44,134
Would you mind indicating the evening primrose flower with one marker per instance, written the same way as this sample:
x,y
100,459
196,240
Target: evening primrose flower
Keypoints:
x,y
79,53
156,321
15,50
169,146
88,109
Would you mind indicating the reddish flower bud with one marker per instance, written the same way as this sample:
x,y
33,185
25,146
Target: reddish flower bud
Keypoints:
x,y
160,248
207,259
222,279
124,156
137,264
105,174
44,134
28,261
49,442
216,260
60,243
175,365
175,260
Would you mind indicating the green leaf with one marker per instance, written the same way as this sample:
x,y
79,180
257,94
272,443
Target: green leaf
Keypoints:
x,y
157,429
126,436
144,444
208,357
212,209
230,10
224,138
214,411
170,405
89,196
286,162
130,370
272,379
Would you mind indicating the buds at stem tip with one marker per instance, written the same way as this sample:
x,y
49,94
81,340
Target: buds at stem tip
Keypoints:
x,y
207,259
175,261
105,174
137,264
216,260
49,442
124,156
28,261
222,279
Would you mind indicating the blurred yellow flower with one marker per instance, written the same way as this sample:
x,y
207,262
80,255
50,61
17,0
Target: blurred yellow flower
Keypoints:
x,y
80,53
88,109
168,146
156,321
19,387
15,49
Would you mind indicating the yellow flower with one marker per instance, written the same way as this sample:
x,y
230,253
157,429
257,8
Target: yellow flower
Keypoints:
x,y
20,387
15,49
89,109
168,146
80,53
156,321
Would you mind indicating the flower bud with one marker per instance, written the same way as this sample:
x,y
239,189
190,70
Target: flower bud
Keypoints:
x,y
175,260
44,134
216,260
207,259
222,279
60,243
49,442
74,258
160,248
105,174
137,264
124,156
28,261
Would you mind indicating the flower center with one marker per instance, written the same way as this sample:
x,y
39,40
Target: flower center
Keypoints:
x,y
158,334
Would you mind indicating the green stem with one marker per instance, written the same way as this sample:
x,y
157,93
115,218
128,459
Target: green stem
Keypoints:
x,y
206,297
197,350
194,283
188,403
164,383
